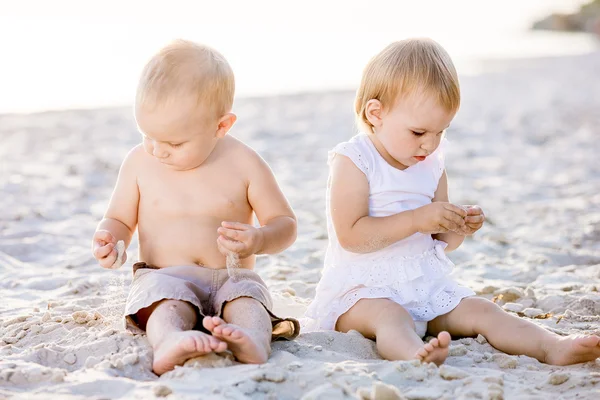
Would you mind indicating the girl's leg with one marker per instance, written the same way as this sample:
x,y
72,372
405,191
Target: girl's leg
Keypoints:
x,y
514,335
168,324
393,329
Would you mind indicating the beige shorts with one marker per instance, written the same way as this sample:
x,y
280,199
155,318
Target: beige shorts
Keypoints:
x,y
207,289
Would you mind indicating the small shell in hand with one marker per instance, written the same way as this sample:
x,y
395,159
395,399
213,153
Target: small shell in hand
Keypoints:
x,y
120,247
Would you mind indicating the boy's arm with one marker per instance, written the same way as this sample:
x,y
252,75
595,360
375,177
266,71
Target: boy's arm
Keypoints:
x,y
120,219
274,213
453,239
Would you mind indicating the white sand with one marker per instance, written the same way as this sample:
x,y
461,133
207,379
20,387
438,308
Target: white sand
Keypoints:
x,y
525,146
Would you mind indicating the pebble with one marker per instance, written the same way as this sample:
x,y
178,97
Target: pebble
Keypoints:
x,y
270,376
450,373
294,365
50,328
513,307
106,333
527,303
416,374
130,359
457,350
118,364
104,365
481,339
91,361
162,391
532,312
70,358
81,317
382,391
494,379
275,376
495,395
510,294
505,361
35,329
488,290
247,387
12,321
425,393
558,378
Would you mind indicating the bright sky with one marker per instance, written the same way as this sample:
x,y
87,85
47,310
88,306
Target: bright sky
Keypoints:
x,y
77,53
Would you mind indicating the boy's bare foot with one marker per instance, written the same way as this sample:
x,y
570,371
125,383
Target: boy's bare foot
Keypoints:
x,y
436,350
573,349
178,347
240,342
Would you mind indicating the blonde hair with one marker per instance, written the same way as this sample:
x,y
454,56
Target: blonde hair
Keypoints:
x,y
403,68
184,68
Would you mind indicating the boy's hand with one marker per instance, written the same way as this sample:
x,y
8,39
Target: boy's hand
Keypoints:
x,y
474,219
104,249
243,239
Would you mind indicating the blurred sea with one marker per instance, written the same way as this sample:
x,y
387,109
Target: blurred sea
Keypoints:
x,y
70,54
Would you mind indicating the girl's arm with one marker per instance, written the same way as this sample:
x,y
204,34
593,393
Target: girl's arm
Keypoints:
x,y
360,233
454,240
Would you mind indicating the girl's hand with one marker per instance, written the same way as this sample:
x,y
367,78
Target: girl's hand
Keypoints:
x,y
474,219
103,249
243,239
439,217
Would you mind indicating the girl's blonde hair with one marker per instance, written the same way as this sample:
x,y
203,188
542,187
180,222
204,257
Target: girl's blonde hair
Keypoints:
x,y
187,70
403,68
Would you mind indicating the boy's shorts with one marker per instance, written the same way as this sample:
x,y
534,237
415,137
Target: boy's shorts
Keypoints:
x,y
207,289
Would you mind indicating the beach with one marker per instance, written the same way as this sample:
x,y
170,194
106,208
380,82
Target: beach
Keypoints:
x,y
524,146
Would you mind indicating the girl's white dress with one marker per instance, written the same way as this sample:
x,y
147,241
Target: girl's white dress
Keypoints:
x,y
412,272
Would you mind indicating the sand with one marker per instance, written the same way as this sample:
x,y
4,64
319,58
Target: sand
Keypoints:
x,y
524,147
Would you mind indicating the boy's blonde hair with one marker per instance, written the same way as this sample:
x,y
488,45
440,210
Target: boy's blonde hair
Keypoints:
x,y
403,68
183,70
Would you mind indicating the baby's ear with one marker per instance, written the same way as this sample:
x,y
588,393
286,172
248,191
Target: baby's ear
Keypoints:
x,y
373,111
225,124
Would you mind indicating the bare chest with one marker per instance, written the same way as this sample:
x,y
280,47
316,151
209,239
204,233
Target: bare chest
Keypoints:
x,y
193,193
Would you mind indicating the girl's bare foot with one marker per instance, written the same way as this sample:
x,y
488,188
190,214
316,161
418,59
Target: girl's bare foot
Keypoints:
x,y
246,348
573,349
179,346
436,350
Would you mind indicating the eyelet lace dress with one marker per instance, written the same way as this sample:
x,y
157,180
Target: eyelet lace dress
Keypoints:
x,y
413,272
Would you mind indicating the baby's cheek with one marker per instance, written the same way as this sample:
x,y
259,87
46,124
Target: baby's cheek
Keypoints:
x,y
148,147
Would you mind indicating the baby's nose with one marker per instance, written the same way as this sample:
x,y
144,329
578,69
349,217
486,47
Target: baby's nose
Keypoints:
x,y
429,146
159,152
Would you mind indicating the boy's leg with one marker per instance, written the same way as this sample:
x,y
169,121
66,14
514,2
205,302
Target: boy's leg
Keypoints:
x,y
514,335
393,329
168,325
245,327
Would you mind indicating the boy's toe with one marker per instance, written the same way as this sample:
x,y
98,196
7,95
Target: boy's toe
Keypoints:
x,y
422,352
218,346
212,323
590,341
227,330
208,323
